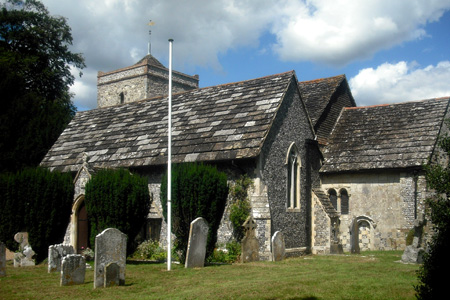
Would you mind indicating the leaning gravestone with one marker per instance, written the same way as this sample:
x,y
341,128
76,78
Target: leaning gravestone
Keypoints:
x,y
55,255
249,244
2,259
355,249
24,257
414,253
278,246
110,246
196,250
73,269
112,275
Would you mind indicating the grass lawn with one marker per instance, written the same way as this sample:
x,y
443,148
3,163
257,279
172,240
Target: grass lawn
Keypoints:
x,y
370,275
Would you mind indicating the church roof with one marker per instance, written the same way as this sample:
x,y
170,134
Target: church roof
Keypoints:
x,y
222,122
385,136
318,93
150,60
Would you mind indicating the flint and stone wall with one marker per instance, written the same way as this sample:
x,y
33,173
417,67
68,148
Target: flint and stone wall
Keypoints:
x,y
387,202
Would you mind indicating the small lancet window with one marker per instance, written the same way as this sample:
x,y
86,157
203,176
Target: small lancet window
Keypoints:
x,y
344,201
293,177
122,98
332,195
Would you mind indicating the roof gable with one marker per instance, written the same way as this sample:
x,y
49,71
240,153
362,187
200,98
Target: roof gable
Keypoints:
x,y
385,136
216,123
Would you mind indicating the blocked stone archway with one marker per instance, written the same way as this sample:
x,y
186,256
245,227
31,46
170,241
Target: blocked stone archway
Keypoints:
x,y
361,232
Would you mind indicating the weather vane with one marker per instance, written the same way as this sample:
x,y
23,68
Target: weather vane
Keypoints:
x,y
151,23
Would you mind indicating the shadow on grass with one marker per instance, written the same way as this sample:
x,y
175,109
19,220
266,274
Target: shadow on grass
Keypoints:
x,y
299,298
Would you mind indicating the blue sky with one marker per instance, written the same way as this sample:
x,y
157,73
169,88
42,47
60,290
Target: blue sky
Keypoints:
x,y
390,51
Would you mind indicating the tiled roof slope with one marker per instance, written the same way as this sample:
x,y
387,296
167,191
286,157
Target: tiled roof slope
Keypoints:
x,y
317,93
324,99
326,203
385,136
216,123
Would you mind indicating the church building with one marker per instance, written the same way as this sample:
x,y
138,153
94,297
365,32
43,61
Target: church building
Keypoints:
x,y
329,175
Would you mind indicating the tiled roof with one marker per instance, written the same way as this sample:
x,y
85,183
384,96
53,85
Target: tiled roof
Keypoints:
x,y
150,60
317,94
326,203
385,136
216,123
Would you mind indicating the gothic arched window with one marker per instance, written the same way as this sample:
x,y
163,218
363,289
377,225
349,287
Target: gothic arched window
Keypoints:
x,y
293,164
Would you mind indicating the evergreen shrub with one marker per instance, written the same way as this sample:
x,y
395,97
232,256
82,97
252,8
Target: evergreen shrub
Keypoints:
x,y
117,199
198,190
39,202
436,261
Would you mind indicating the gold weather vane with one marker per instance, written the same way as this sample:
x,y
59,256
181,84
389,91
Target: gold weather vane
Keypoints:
x,y
151,23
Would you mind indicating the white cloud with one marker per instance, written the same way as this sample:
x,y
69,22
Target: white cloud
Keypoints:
x,y
114,33
340,31
392,83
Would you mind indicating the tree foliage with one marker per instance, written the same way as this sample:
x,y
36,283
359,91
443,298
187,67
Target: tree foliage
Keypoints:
x,y
35,75
240,206
36,201
117,199
197,191
436,263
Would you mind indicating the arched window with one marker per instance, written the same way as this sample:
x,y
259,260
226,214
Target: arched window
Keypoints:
x,y
344,201
332,195
293,177
122,98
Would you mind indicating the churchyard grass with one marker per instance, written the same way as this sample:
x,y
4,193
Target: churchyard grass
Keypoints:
x,y
370,275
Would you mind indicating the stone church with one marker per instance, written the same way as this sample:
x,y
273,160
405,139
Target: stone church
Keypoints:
x,y
329,175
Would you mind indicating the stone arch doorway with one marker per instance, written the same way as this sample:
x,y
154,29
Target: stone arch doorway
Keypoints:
x,y
361,233
80,225
82,228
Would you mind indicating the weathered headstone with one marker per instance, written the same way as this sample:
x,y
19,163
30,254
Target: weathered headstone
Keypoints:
x,y
73,269
112,275
196,251
335,245
278,246
249,244
354,233
24,257
414,253
55,255
2,259
110,246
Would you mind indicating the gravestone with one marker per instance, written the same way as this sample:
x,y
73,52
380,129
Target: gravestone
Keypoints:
x,y
196,250
2,259
278,246
55,255
73,269
354,242
414,253
335,245
249,244
112,275
110,246
24,257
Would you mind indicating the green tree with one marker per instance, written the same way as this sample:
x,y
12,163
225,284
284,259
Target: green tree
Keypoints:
x,y
35,65
432,279
117,199
37,201
197,191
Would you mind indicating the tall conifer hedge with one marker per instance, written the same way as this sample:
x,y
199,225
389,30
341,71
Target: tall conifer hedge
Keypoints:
x,y
37,201
117,199
197,191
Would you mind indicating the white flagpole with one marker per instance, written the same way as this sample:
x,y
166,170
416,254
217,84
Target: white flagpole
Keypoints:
x,y
169,166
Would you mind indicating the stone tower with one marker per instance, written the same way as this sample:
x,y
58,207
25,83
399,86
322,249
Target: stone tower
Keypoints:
x,y
147,78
